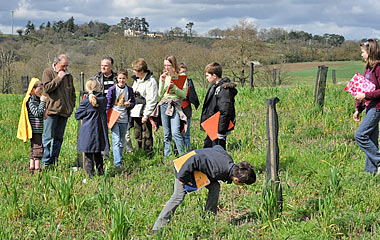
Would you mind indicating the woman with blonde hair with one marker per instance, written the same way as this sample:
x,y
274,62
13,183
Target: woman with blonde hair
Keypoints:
x,y
171,107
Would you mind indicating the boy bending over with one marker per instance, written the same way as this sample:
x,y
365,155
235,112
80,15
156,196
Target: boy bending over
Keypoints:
x,y
218,165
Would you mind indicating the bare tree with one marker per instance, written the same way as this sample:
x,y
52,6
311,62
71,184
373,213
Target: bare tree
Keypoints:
x,y
240,47
7,57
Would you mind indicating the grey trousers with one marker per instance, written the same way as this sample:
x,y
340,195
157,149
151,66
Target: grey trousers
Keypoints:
x,y
177,198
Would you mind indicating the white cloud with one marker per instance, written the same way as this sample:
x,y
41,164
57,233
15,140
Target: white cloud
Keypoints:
x,y
346,17
8,29
357,10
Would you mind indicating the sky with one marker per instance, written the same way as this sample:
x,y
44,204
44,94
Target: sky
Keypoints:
x,y
353,19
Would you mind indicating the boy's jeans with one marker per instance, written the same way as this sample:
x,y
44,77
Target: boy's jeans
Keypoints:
x,y
178,197
118,137
172,128
52,138
367,138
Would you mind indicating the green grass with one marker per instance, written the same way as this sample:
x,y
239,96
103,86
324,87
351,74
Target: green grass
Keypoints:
x,y
343,73
326,193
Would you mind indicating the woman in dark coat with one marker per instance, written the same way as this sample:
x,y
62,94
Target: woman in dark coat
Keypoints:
x,y
93,134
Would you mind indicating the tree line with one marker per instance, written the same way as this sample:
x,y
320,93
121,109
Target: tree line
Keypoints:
x,y
235,50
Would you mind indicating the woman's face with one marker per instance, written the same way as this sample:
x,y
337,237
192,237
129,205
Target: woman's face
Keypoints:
x,y
121,80
140,74
168,66
364,54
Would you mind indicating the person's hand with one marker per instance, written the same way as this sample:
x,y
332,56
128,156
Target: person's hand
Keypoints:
x,y
171,85
163,76
43,98
46,116
127,104
356,117
144,120
360,96
61,74
183,184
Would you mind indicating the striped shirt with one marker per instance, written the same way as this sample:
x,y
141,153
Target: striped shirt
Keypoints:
x,y
36,113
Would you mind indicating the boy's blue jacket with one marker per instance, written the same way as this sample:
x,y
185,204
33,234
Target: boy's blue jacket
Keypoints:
x,y
215,162
220,97
93,134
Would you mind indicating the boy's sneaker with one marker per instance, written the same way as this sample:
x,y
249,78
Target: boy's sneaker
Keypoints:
x,y
31,170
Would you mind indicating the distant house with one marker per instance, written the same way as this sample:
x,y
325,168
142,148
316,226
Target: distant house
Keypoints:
x,y
133,33
155,34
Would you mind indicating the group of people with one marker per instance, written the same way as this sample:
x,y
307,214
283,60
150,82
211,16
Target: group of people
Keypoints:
x,y
52,100
149,103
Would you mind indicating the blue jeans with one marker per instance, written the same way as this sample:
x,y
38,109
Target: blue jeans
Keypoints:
x,y
52,138
186,137
172,128
118,137
367,138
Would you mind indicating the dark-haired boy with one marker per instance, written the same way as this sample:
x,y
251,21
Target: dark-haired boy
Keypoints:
x,y
220,97
218,165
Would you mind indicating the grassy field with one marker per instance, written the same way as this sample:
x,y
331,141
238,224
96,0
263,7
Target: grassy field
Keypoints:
x,y
306,73
326,193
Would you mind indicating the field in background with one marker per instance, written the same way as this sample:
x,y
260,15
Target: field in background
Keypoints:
x,y
326,193
306,73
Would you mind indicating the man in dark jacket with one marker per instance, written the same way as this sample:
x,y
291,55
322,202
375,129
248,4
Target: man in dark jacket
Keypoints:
x,y
106,77
220,97
218,165
59,87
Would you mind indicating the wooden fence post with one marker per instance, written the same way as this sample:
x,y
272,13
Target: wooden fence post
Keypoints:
x,y
272,164
333,76
320,85
252,70
24,83
274,76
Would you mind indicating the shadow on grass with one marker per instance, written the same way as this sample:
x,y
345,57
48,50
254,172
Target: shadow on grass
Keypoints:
x,y
132,162
242,219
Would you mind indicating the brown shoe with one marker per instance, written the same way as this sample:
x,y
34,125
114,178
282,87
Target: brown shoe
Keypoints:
x,y
37,170
31,170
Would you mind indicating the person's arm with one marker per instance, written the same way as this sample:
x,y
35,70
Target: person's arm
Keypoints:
x,y
37,109
187,170
374,94
150,98
131,99
180,92
73,93
225,106
161,87
81,111
193,97
50,84
110,100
